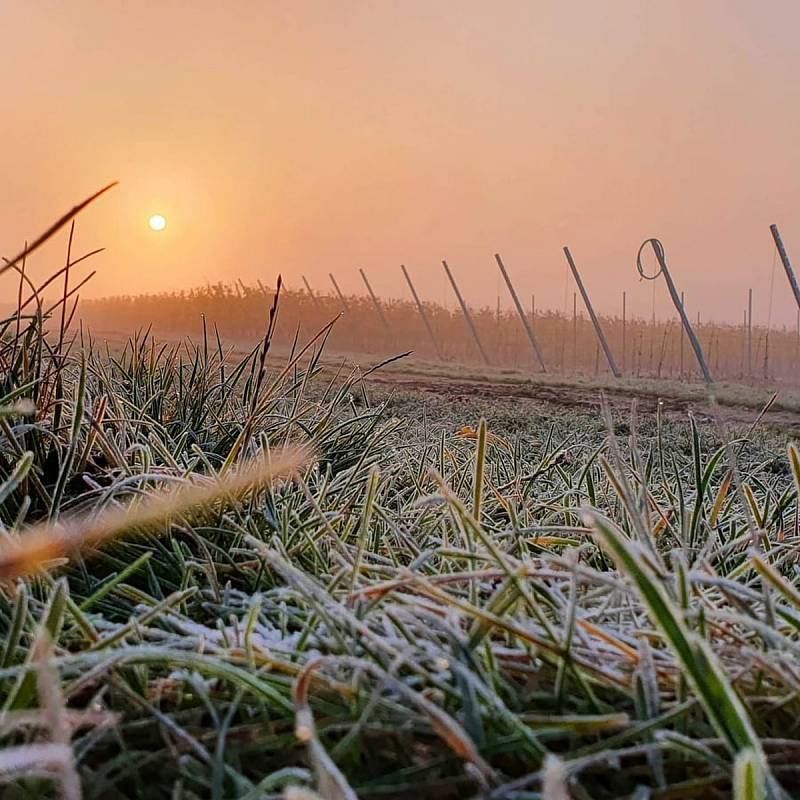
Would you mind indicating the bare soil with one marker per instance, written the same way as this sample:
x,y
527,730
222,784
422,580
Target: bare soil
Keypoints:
x,y
581,397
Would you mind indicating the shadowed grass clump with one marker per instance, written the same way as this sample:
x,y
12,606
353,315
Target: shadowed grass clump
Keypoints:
x,y
226,579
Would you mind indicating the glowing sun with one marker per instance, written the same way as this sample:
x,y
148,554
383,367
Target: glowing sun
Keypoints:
x,y
157,222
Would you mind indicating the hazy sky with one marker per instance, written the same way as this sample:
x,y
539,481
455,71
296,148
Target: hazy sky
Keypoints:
x,y
308,137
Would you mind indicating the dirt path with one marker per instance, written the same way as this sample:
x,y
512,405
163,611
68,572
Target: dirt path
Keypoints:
x,y
579,397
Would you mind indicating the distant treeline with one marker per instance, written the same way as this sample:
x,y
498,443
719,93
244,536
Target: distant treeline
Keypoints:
x,y
642,348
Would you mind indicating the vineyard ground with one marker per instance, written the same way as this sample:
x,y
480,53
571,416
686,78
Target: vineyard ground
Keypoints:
x,y
676,400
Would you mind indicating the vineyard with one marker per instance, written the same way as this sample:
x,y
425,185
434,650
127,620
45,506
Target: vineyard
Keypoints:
x,y
645,348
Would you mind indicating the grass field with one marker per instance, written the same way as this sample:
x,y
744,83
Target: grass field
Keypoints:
x,y
237,576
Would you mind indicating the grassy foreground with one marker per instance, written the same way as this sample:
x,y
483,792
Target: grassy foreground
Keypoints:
x,y
224,580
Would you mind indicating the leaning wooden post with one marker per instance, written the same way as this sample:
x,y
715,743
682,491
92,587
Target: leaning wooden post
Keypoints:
x,y
465,312
598,330
787,265
339,293
375,301
422,313
311,294
658,249
521,312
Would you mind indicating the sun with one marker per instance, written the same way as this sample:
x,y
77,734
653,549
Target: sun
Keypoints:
x,y
157,222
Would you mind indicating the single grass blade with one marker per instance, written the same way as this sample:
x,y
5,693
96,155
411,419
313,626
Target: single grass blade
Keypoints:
x,y
26,553
54,228
331,782
748,776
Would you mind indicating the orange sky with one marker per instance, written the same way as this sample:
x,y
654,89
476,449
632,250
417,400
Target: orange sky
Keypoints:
x,y
309,137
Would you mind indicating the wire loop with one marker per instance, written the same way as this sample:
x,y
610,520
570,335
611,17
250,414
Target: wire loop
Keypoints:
x,y
659,250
